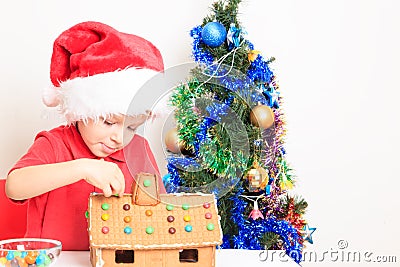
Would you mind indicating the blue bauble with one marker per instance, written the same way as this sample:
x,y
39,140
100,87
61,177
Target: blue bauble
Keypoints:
x,y
213,34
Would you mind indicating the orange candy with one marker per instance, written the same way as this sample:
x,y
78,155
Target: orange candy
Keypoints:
x,y
33,253
127,219
21,262
148,212
30,259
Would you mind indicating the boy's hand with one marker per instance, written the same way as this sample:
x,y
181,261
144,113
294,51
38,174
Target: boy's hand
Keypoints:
x,y
104,175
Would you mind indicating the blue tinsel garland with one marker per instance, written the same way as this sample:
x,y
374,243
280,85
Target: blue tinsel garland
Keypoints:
x,y
250,231
173,181
199,54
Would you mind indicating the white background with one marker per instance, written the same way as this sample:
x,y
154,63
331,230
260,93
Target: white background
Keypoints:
x,y
337,66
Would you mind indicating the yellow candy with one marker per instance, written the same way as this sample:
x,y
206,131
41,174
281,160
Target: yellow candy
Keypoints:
x,y
3,260
186,218
105,217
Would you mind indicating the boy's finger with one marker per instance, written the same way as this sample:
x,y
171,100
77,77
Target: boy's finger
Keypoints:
x,y
122,182
107,191
116,186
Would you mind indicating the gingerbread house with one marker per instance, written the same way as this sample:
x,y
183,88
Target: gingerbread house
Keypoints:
x,y
146,228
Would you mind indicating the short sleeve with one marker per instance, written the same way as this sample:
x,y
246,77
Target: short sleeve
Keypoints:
x,y
41,152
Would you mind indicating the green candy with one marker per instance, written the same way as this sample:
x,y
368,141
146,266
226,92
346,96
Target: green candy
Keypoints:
x,y
147,183
47,260
149,230
105,206
210,227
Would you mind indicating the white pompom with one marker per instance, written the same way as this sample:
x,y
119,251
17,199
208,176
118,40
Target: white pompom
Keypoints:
x,y
50,96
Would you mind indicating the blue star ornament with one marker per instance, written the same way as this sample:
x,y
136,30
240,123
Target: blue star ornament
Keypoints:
x,y
273,97
233,36
308,231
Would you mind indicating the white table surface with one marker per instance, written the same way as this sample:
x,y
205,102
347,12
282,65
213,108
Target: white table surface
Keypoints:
x,y
224,258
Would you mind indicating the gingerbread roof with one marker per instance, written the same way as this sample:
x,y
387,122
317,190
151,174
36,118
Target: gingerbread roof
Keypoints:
x,y
177,221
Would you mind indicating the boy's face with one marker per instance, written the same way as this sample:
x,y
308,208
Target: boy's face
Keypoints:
x,y
106,136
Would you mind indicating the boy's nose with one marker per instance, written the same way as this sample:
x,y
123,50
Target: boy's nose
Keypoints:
x,y
118,136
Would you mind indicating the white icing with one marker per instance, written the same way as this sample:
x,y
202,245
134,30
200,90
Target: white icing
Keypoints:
x,y
219,220
99,258
138,246
90,217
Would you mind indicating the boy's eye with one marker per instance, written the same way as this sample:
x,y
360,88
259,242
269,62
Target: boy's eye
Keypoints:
x,y
109,123
133,129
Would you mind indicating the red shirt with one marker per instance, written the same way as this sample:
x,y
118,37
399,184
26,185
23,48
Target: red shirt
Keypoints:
x,y
60,214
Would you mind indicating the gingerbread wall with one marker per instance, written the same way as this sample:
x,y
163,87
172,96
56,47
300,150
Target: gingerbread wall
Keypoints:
x,y
154,258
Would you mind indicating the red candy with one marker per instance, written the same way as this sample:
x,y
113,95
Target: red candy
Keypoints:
x,y
170,218
104,230
206,205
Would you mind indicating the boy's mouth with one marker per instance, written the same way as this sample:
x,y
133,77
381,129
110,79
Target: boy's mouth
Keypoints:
x,y
107,149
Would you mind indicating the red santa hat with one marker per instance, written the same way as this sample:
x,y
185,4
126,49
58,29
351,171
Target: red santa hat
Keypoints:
x,y
96,71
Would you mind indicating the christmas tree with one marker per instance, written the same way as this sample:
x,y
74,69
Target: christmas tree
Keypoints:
x,y
229,138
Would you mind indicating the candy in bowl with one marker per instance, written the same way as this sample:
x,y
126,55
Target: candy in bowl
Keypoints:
x,y
32,252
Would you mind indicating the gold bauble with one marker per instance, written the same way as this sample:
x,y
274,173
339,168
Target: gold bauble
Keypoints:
x,y
172,141
262,116
257,177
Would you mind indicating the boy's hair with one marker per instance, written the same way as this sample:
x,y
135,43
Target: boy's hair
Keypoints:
x,y
96,71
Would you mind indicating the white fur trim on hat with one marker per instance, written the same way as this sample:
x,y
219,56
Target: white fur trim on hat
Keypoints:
x,y
99,95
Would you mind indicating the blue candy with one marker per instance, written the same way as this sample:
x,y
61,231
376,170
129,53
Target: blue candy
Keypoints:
x,y
40,259
10,255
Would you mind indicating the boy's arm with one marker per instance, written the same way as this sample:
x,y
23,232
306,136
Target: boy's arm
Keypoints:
x,y
28,182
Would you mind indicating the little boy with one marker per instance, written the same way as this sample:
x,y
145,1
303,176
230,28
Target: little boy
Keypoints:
x,y
95,71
